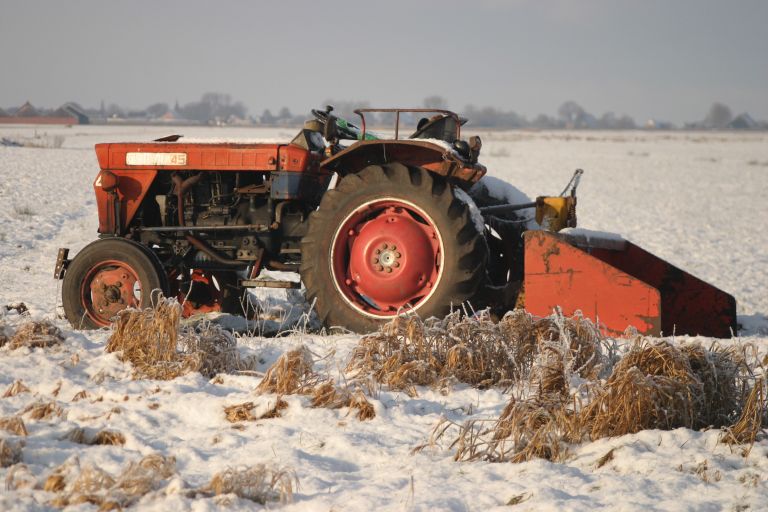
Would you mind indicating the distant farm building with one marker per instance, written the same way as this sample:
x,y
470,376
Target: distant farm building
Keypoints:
x,y
68,114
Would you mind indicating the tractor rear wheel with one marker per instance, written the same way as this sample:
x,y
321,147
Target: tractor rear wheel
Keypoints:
x,y
386,240
106,277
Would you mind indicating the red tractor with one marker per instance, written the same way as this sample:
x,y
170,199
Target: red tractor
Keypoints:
x,y
375,227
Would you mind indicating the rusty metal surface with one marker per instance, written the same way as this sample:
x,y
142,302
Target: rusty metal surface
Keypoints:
x,y
560,275
418,153
621,288
688,304
131,189
202,157
62,262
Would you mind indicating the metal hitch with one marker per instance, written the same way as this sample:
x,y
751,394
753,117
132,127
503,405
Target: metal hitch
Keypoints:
x,y
61,263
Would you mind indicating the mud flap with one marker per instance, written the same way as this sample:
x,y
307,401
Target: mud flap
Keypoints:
x,y
617,284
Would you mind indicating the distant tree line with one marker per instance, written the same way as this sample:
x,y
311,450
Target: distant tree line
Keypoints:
x,y
219,108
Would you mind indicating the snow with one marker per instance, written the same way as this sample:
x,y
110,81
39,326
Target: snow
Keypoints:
x,y
592,234
474,211
437,142
691,198
595,239
507,193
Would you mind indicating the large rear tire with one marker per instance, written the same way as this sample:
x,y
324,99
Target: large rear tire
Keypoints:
x,y
386,240
107,276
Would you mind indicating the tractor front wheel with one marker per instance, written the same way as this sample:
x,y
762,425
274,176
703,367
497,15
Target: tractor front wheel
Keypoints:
x,y
387,240
106,277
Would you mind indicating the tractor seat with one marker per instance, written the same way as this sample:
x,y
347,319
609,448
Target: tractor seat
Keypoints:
x,y
440,126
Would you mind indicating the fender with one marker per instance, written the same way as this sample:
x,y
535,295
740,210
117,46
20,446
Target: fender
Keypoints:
x,y
435,156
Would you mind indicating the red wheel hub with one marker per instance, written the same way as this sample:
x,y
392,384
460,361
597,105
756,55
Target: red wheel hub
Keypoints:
x,y
386,256
108,288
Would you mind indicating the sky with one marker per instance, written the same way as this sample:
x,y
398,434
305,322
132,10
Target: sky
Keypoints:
x,y
666,60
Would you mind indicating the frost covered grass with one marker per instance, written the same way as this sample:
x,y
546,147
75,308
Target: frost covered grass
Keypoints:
x,y
294,373
10,452
655,189
159,348
569,390
14,425
257,483
475,350
33,334
655,385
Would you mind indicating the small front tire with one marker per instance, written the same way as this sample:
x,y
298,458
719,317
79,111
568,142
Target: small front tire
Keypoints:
x,y
107,276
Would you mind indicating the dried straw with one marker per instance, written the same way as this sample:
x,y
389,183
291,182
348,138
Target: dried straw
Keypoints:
x,y
148,339
108,437
153,341
258,483
245,411
365,410
524,431
43,410
718,371
16,388
329,396
80,395
240,412
750,422
216,349
653,386
36,334
102,437
475,350
274,411
92,485
292,373
14,425
10,452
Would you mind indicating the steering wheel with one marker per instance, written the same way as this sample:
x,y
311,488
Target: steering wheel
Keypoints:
x,y
342,128
322,115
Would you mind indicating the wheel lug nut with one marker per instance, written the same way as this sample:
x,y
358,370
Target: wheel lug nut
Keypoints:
x,y
394,247
389,270
379,267
378,251
397,255
397,264
375,260
384,246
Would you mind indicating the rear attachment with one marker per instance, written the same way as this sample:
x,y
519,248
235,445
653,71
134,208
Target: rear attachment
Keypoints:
x,y
617,284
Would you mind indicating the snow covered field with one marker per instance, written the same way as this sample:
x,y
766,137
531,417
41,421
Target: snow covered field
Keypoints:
x,y
694,199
